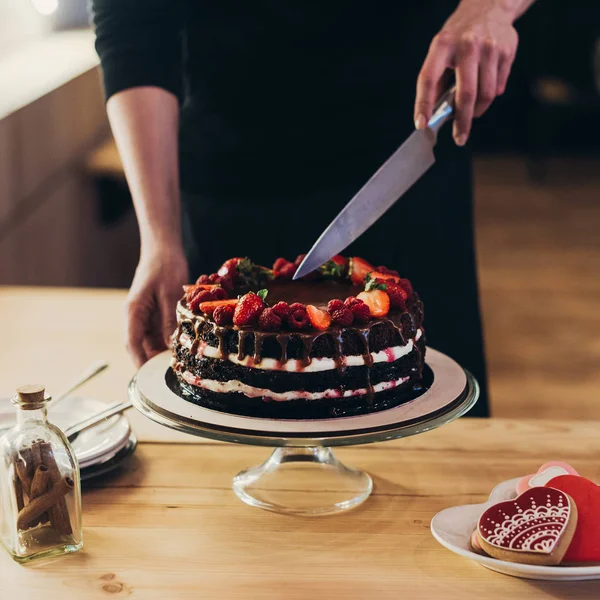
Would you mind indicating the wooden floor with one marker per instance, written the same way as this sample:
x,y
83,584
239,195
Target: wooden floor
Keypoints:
x,y
539,260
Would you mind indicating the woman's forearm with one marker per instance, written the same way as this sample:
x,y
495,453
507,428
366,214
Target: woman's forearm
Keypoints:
x,y
511,9
144,121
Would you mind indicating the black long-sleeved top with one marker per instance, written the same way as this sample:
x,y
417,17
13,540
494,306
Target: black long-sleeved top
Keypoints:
x,y
305,93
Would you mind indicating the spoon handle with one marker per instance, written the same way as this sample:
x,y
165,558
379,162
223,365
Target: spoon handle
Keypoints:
x,y
93,370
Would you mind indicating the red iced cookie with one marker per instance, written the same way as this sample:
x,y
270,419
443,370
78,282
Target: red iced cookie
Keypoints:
x,y
585,546
534,528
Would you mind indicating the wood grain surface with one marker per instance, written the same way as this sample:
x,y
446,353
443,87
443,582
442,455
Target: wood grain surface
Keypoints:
x,y
168,526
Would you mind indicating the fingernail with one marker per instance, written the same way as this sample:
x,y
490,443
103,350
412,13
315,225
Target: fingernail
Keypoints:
x,y
460,139
420,121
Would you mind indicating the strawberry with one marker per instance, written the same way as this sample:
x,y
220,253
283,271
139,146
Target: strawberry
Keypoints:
x,y
318,318
209,307
384,276
358,269
336,267
229,267
227,282
299,259
269,320
223,314
343,317
397,294
377,301
248,309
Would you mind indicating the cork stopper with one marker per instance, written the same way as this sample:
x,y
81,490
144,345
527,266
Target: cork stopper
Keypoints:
x,y
33,394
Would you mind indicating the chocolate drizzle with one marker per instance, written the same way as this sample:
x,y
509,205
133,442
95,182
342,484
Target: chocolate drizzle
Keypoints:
x,y
220,333
282,340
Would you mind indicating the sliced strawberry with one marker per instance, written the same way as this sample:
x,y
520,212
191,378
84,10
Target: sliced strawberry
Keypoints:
x,y
209,307
358,269
318,318
377,301
380,275
200,286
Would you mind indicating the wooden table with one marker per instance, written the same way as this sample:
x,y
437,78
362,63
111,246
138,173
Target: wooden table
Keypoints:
x,y
168,526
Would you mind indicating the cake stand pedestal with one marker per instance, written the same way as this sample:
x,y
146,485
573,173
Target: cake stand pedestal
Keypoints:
x,y
302,476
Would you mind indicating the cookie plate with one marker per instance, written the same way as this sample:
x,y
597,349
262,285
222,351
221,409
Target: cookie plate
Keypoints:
x,y
453,527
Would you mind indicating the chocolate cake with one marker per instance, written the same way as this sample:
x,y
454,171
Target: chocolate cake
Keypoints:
x,y
345,340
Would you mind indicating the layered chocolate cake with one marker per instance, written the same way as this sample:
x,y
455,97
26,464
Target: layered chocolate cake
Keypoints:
x,y
345,340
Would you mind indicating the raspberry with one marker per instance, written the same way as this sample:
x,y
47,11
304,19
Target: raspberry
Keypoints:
x,y
299,259
203,280
219,293
387,271
248,309
343,317
351,301
397,295
361,312
198,297
269,320
287,271
298,317
334,305
279,264
282,309
214,278
223,315
227,283
406,285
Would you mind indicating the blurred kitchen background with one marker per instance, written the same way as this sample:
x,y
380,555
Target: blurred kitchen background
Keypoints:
x,y
66,217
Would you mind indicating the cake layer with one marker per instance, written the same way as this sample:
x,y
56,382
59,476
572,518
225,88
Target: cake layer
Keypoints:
x,y
339,380
241,404
294,365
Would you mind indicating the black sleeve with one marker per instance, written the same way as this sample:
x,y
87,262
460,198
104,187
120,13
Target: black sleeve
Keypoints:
x,y
139,43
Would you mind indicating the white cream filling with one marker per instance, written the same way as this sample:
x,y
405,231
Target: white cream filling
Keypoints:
x,y
297,366
254,392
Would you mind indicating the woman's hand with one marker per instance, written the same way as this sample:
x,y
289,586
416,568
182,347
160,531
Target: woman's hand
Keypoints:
x,y
150,308
479,42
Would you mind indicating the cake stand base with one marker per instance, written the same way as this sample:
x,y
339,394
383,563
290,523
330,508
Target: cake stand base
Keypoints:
x,y
303,482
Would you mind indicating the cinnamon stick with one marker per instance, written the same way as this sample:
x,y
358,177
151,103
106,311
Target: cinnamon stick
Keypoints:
x,y
59,514
39,485
18,492
38,506
24,468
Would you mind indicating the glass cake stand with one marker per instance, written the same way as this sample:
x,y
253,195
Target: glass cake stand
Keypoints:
x,y
302,476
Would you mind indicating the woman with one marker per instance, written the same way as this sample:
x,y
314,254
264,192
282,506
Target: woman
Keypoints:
x,y
244,127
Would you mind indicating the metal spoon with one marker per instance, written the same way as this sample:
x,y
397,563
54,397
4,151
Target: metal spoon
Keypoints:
x,y
74,430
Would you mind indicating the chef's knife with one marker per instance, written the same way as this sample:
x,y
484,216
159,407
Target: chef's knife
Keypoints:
x,y
392,180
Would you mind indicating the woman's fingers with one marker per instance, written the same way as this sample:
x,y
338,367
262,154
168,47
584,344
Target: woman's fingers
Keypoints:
x,y
167,305
467,74
505,62
488,76
437,61
136,324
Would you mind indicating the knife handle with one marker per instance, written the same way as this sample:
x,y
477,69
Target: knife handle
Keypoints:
x,y
443,109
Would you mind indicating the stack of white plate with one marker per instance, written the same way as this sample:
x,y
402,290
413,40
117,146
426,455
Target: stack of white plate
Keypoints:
x,y
99,449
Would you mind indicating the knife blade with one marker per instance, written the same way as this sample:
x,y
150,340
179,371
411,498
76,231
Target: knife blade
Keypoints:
x,y
395,177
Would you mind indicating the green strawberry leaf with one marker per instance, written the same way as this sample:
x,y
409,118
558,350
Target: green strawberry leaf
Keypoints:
x,y
262,294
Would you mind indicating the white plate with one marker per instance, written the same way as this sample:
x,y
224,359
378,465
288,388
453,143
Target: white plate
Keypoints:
x,y
95,445
453,528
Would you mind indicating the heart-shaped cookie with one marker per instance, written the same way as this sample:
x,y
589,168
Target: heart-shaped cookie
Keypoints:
x,y
585,546
544,474
535,528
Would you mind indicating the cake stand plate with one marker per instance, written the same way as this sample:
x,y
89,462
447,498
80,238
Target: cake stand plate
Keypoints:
x,y
302,476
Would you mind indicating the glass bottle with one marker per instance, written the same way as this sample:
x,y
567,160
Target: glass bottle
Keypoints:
x,y
40,490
